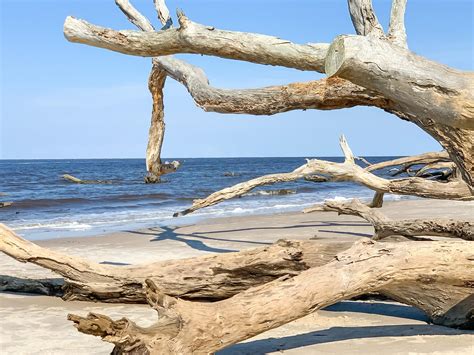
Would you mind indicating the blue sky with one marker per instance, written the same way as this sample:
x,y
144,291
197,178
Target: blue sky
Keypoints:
x,y
65,100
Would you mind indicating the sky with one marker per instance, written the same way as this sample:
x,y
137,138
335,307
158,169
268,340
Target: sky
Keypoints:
x,y
67,100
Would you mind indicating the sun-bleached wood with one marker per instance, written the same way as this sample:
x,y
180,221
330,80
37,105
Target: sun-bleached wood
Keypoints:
x,y
192,37
364,19
347,171
407,273
396,29
205,278
424,158
385,227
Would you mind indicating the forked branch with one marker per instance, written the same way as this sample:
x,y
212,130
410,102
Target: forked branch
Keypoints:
x,y
347,171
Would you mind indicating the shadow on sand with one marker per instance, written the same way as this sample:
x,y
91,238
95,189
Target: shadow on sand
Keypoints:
x,y
335,334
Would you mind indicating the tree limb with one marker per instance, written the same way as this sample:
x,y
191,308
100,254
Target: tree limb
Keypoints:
x,y
347,171
425,158
435,277
396,30
192,37
411,81
364,19
385,227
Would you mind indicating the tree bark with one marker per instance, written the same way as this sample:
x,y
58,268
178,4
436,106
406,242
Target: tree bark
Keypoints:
x,y
204,278
195,38
385,227
347,171
444,290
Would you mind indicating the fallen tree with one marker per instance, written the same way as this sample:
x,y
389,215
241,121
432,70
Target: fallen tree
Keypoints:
x,y
372,68
407,273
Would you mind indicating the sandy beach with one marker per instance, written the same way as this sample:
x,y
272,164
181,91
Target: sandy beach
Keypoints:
x,y
37,324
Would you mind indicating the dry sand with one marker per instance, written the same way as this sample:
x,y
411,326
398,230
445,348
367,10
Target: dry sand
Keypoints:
x,y
37,324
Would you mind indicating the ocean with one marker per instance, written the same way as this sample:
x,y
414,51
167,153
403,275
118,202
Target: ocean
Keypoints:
x,y
46,206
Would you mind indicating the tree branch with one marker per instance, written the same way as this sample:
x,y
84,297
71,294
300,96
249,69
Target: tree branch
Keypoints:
x,y
385,227
425,158
364,19
347,171
435,276
411,81
396,30
192,37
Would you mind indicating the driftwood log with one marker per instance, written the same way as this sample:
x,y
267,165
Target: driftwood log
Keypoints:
x,y
385,227
406,272
76,180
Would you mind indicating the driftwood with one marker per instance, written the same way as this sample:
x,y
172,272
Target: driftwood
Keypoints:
x,y
76,180
346,171
407,273
385,227
5,204
156,83
372,68
369,60
211,278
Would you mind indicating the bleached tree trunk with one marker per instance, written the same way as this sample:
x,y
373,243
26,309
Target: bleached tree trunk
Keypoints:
x,y
407,273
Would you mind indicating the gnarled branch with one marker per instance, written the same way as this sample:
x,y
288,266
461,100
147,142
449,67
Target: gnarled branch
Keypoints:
x,y
385,227
347,171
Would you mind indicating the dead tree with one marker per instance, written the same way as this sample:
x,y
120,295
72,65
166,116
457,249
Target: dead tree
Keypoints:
x,y
156,83
371,68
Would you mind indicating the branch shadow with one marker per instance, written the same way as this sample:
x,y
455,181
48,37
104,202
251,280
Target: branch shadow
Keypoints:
x,y
334,334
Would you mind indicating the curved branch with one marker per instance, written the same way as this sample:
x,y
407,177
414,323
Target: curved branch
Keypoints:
x,y
385,227
347,171
192,37
323,94
396,30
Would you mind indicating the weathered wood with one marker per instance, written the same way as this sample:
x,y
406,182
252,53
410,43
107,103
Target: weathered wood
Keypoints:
x,y
347,171
425,158
47,287
364,19
5,204
396,30
385,227
76,180
377,200
206,278
192,37
444,290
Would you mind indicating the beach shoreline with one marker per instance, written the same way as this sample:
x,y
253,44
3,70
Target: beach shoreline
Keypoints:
x,y
347,327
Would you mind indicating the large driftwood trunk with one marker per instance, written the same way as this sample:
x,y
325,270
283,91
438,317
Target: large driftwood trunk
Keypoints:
x,y
207,278
443,290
